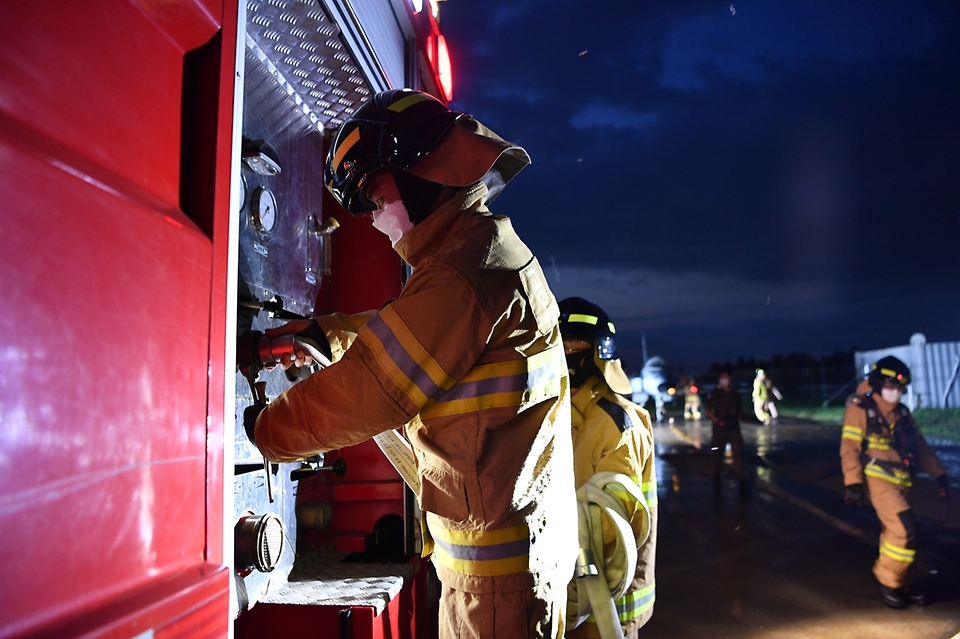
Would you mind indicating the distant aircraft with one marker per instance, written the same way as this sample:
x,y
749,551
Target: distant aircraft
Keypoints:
x,y
656,382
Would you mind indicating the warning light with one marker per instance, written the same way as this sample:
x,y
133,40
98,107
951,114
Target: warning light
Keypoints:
x,y
671,391
444,69
694,389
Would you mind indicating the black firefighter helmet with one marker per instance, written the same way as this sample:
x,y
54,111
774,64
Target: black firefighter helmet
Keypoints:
x,y
397,130
583,320
888,369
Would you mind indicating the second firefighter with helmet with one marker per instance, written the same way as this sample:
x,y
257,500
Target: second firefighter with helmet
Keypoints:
x,y
881,451
613,592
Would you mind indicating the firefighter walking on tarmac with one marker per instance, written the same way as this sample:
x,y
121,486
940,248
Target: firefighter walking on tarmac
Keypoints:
x,y
881,451
613,592
468,360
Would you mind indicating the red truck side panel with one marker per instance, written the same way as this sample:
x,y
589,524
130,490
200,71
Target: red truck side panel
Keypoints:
x,y
105,333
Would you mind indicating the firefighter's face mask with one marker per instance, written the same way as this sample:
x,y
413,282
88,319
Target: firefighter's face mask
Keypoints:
x,y
580,364
891,393
393,221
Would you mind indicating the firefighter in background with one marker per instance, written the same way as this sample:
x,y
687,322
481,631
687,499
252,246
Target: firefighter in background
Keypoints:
x,y
468,360
763,393
691,401
724,409
883,448
612,455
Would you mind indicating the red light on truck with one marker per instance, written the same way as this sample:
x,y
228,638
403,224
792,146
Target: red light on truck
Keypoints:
x,y
444,69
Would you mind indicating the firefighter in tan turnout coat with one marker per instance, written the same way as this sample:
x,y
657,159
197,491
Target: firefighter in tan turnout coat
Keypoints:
x,y
468,359
881,451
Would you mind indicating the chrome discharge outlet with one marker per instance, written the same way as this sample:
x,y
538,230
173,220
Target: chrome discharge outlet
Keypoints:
x,y
258,542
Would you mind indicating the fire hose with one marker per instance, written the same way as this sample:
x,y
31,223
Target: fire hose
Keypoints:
x,y
600,582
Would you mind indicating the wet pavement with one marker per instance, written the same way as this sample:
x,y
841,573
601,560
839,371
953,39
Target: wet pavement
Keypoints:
x,y
790,560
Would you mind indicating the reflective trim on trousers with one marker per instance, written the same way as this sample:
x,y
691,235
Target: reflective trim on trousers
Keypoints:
x,y
905,555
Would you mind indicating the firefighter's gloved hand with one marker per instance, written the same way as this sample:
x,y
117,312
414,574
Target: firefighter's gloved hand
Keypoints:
x,y
306,328
943,487
853,495
250,414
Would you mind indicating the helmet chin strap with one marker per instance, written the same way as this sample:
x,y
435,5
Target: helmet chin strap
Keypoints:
x,y
418,195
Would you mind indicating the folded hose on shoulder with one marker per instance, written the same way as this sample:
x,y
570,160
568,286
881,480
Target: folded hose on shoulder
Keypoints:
x,y
601,581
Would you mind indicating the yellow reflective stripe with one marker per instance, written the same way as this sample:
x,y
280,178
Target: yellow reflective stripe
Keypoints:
x,y
406,102
404,359
481,553
898,477
489,568
413,348
852,432
896,552
476,537
633,604
611,327
879,443
888,372
490,385
583,319
649,490
352,138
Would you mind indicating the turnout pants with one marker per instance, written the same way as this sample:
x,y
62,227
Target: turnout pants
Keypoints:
x,y
898,536
720,438
760,410
499,615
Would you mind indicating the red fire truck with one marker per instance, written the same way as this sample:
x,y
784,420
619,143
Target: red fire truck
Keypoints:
x,y
162,161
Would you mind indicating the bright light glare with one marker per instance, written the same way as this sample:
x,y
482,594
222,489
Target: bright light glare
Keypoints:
x,y
444,68
417,5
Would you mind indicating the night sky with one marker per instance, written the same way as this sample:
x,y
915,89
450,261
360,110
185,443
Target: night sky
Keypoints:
x,y
749,179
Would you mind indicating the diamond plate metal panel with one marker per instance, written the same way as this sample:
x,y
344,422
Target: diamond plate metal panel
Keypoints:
x,y
317,581
302,48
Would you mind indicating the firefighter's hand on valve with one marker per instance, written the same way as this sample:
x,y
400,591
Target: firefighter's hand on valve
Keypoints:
x,y
250,414
297,326
853,495
943,487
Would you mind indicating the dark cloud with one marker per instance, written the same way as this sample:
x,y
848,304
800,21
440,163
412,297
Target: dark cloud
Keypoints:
x,y
793,146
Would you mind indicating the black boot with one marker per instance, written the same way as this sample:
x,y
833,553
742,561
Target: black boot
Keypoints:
x,y
893,597
915,596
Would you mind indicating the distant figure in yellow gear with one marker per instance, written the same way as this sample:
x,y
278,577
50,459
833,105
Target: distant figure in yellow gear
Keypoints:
x,y
881,450
763,393
691,402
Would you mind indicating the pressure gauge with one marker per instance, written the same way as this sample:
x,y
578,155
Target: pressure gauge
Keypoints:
x,y
243,192
264,209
